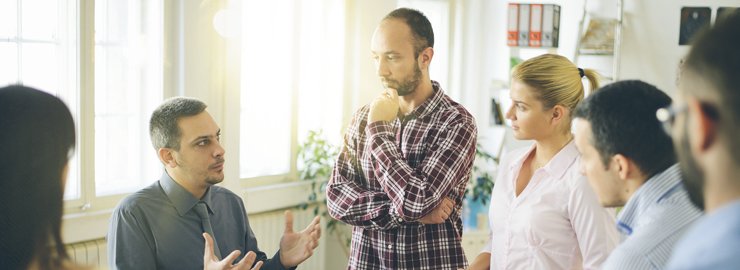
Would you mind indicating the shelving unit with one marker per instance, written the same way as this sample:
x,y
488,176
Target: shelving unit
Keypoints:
x,y
599,44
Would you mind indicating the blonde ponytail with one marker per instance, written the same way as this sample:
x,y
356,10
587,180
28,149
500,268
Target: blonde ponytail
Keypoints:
x,y
593,79
556,79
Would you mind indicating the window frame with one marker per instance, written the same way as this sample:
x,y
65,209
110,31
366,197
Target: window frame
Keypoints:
x,y
234,52
89,201
87,217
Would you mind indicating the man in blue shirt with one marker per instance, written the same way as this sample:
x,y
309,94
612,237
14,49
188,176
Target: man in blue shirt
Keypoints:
x,y
629,161
162,226
706,130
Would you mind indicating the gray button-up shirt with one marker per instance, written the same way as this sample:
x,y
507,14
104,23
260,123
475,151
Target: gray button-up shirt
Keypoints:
x,y
158,228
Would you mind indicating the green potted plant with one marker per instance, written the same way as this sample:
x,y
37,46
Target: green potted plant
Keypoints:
x,y
479,188
316,156
481,182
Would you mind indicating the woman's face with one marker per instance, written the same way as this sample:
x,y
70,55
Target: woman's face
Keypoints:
x,y
529,120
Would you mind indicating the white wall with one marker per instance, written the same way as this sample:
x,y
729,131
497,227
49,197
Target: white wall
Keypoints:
x,y
650,48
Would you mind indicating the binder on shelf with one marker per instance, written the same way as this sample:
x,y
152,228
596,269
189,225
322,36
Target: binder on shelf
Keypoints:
x,y
512,37
524,24
550,25
535,26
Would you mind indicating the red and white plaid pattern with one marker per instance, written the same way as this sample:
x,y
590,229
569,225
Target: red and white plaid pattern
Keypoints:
x,y
391,174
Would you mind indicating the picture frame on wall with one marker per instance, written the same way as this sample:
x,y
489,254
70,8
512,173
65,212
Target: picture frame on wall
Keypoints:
x,y
693,19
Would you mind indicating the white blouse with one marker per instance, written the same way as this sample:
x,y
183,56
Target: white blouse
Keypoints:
x,y
555,223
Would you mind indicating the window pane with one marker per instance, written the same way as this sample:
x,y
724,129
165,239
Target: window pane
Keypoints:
x,y
8,19
267,86
128,86
40,66
48,62
38,19
320,87
9,64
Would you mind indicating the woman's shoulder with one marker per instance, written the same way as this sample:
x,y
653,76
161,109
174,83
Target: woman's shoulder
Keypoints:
x,y
572,176
513,155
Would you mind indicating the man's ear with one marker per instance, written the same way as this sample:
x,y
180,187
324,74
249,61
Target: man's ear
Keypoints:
x,y
167,157
703,124
625,167
426,58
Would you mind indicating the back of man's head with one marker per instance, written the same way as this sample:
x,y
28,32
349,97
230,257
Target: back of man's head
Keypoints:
x,y
712,74
163,128
420,26
622,118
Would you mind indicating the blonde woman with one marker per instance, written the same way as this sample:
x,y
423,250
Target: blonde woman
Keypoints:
x,y
544,214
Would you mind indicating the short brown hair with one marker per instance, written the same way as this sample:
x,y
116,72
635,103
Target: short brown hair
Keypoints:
x,y
163,128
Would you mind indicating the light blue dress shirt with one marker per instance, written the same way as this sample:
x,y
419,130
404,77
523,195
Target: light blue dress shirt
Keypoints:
x,y
712,243
652,222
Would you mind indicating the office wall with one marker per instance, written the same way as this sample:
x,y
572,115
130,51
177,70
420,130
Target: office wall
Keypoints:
x,y
651,50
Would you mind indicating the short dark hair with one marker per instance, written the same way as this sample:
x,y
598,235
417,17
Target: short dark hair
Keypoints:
x,y
163,128
37,137
419,24
715,56
622,118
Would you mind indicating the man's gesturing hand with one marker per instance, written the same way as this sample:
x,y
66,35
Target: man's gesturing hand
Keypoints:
x,y
296,247
211,262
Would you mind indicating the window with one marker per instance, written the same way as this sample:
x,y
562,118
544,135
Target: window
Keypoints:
x,y
128,87
40,45
38,48
292,80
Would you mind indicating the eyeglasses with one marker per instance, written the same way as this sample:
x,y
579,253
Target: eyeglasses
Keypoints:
x,y
667,116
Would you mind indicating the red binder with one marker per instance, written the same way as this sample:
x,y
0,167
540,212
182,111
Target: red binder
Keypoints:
x,y
535,26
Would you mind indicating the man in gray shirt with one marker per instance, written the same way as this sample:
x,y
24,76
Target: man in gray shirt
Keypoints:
x,y
162,226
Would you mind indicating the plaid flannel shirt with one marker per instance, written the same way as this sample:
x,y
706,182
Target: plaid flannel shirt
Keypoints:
x,y
390,174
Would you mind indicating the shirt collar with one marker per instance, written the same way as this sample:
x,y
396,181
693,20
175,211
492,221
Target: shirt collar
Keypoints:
x,y
558,165
430,104
654,190
182,199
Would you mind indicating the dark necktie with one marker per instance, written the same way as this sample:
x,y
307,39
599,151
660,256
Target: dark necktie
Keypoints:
x,y
205,221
